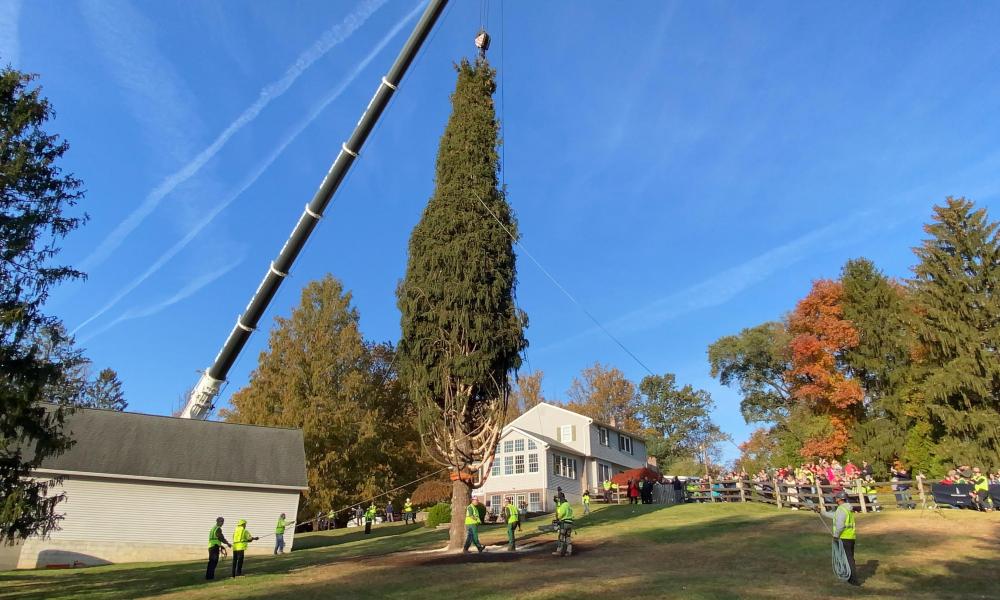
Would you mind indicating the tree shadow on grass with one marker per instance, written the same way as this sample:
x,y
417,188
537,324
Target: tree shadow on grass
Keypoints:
x,y
121,582
337,537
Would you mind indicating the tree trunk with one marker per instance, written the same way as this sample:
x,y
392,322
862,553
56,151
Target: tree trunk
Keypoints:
x,y
461,495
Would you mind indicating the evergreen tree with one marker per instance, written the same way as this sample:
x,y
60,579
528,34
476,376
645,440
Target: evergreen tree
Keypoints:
x,y
461,332
318,374
105,391
880,362
34,195
958,331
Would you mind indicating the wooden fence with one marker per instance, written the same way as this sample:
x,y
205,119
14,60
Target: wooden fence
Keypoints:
x,y
886,494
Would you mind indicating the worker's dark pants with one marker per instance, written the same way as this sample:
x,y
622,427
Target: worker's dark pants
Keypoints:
x,y
238,562
849,551
368,526
213,561
607,496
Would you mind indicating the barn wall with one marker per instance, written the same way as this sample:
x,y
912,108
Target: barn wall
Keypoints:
x,y
113,520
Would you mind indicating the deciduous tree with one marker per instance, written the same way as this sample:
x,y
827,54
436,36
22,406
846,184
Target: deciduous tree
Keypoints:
x,y
755,361
319,375
677,419
526,393
605,394
821,337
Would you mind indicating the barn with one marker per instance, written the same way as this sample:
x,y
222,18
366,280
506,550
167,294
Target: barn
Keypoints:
x,y
148,488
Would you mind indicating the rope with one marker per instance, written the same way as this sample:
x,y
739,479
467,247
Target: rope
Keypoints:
x,y
561,288
841,568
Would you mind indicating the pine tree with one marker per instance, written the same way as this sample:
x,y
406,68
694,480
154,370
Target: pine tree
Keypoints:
x,y
106,392
34,197
461,332
319,375
958,330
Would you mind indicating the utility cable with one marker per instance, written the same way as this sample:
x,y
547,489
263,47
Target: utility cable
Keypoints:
x,y
561,288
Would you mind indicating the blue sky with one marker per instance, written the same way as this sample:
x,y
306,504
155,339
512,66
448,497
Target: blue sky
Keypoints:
x,y
683,169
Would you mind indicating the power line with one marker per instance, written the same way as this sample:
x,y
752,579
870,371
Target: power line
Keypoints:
x,y
561,288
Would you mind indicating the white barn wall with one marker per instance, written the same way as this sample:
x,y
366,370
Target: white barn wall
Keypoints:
x,y
119,520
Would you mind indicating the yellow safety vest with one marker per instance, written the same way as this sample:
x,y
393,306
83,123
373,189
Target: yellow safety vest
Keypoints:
x,y
408,507
607,485
472,515
512,513
241,537
213,536
848,532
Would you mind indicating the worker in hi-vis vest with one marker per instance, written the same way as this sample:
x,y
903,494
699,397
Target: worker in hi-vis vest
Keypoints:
x,y
241,537
279,534
843,530
564,521
216,540
472,522
370,517
408,512
513,515
586,502
607,491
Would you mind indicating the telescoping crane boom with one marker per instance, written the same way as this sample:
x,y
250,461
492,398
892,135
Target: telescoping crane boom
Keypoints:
x,y
202,399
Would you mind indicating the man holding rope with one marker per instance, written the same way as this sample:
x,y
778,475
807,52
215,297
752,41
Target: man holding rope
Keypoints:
x,y
845,532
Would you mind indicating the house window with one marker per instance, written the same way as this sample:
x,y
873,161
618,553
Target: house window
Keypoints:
x,y
532,445
508,446
625,443
564,466
566,433
518,445
508,465
519,464
605,438
535,502
495,504
495,471
533,463
604,472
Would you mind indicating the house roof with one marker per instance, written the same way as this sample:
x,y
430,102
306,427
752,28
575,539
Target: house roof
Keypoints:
x,y
546,440
140,446
592,420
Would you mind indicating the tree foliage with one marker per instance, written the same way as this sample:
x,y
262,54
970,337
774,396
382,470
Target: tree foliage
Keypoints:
x,y
605,394
318,374
755,361
462,333
526,394
677,419
75,384
958,333
35,195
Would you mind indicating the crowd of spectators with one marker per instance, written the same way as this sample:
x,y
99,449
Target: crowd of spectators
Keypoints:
x,y
803,485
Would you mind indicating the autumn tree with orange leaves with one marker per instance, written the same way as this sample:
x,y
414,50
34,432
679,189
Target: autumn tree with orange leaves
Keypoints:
x,y
821,335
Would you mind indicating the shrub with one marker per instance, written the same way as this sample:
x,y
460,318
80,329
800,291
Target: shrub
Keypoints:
x,y
437,514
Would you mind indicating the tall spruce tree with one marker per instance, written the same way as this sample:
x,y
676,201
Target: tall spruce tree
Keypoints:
x,y
958,331
880,361
462,333
34,196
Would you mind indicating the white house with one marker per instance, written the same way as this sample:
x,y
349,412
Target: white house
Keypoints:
x,y
549,447
149,488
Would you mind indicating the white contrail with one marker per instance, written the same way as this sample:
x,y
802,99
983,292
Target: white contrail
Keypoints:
x,y
184,293
331,38
249,181
10,15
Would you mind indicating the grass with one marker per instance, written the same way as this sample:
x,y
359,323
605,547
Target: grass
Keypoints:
x,y
690,551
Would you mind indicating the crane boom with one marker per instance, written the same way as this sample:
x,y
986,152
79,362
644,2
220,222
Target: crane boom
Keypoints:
x,y
202,398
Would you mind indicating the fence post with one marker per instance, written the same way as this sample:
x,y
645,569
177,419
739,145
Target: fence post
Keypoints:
x,y
739,486
819,490
861,494
920,488
777,493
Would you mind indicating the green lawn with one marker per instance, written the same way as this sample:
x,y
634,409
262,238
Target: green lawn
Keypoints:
x,y
690,551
